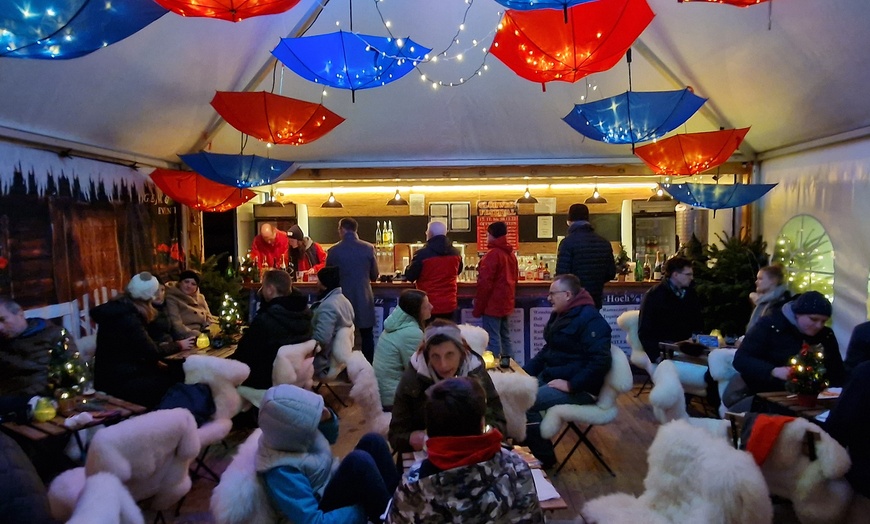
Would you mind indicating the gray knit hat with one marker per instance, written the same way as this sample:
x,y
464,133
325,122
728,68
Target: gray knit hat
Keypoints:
x,y
143,286
289,417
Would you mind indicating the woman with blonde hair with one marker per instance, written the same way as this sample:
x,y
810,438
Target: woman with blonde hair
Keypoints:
x,y
770,292
127,361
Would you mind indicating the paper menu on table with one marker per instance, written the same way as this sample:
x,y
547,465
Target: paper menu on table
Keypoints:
x,y
830,393
822,417
545,489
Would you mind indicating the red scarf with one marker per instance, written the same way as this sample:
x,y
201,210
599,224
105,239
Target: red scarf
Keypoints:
x,y
453,452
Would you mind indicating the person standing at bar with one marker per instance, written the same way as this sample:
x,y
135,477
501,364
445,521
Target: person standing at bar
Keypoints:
x,y
586,254
497,276
306,254
270,246
434,269
358,268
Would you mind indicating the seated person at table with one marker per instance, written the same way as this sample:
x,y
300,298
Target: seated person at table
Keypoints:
x,y
859,347
31,351
671,310
763,357
270,246
401,337
283,318
331,312
849,425
306,254
186,306
160,329
770,293
467,476
127,361
296,465
444,354
573,362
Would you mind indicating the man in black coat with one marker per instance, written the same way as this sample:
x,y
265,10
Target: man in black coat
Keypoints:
x,y
859,347
283,318
586,254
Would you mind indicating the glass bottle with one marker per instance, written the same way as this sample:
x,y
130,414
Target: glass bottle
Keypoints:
x,y
547,275
647,268
638,268
231,269
378,234
390,234
657,269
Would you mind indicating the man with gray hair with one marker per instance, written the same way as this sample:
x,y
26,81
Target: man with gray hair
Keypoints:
x,y
434,268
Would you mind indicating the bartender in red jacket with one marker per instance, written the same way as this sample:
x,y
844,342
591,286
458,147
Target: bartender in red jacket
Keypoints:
x,y
434,268
271,246
497,275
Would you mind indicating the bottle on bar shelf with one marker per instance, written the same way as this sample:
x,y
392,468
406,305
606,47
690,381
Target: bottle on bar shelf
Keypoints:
x,y
647,268
378,234
657,268
283,265
531,274
390,238
547,275
231,269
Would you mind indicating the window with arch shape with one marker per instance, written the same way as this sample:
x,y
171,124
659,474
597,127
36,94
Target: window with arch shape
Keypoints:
x,y
804,249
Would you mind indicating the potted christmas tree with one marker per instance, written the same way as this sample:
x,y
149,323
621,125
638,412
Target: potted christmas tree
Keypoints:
x,y
807,375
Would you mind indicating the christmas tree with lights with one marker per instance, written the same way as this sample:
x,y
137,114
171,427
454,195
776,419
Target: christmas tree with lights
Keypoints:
x,y
230,316
807,375
68,373
249,269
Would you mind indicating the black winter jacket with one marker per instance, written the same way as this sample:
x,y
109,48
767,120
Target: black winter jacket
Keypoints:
x,y
665,317
771,343
281,321
589,256
23,498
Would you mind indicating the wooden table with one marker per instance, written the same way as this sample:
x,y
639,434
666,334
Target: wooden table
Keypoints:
x,y
785,403
408,460
105,409
671,351
222,352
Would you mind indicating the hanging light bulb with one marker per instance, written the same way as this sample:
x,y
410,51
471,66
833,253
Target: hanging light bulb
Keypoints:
x,y
331,202
659,196
397,200
527,198
596,197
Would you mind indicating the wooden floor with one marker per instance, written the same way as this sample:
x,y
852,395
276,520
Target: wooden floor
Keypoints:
x,y
623,444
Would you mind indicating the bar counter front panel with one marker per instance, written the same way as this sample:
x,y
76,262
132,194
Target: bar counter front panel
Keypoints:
x,y
530,315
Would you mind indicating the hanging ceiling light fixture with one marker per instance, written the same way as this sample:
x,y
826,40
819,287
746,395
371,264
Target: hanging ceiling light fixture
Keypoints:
x,y
659,196
331,202
397,200
527,197
596,197
270,199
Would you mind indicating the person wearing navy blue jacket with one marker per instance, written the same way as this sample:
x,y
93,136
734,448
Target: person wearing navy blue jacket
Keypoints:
x,y
573,362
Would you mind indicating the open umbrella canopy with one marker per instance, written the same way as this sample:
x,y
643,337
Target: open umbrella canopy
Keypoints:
x,y
195,191
238,170
633,116
691,153
738,3
717,196
274,118
539,46
350,60
230,10
52,29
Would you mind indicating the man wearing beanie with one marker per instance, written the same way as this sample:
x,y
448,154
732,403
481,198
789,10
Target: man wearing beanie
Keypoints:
x,y
763,357
434,269
305,254
497,274
586,254
295,463
331,312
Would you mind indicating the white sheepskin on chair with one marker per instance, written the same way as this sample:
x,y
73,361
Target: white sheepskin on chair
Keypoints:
x,y
64,492
517,392
365,393
222,376
239,497
669,402
294,365
618,380
104,500
476,337
628,322
721,365
150,454
817,489
692,477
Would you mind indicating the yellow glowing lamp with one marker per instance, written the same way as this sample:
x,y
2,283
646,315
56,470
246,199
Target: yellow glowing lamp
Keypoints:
x,y
44,410
202,341
488,359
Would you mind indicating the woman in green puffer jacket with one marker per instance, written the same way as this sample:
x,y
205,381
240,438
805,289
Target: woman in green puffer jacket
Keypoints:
x,y
402,335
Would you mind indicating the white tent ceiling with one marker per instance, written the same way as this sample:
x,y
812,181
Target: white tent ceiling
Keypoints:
x,y
146,98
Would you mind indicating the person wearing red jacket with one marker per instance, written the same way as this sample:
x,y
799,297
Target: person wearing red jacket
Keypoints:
x,y
306,254
497,274
434,268
270,246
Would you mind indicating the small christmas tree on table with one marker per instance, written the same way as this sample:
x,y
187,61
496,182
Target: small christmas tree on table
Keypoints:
x,y
68,373
230,318
807,375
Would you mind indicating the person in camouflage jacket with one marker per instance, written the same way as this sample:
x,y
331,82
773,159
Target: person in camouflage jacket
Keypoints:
x,y
468,476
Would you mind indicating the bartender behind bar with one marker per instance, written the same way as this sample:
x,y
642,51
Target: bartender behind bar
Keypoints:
x,y
270,246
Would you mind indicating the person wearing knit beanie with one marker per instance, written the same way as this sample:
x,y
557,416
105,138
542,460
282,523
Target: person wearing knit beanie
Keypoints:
x,y
811,303
295,462
497,275
330,277
143,286
332,312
